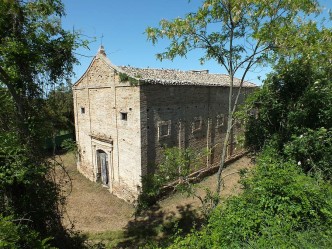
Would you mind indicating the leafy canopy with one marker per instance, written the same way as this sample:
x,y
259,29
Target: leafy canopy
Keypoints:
x,y
35,52
235,33
296,97
32,40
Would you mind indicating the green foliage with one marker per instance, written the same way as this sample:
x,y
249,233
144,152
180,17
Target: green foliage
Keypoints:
x,y
315,237
149,195
13,157
175,167
36,54
31,33
177,164
69,145
15,235
297,96
8,233
124,78
223,28
27,192
60,110
29,195
279,205
288,197
312,150
6,110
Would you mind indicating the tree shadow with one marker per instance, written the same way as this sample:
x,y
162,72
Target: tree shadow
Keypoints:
x,y
157,227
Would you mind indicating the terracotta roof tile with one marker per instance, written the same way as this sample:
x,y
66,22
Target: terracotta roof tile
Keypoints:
x,y
176,77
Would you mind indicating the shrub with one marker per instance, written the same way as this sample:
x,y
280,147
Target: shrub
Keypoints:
x,y
279,203
312,150
176,165
13,234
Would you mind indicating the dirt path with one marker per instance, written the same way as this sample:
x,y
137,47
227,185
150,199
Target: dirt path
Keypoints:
x,y
93,209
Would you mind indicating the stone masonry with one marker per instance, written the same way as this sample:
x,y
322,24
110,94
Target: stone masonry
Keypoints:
x,y
125,116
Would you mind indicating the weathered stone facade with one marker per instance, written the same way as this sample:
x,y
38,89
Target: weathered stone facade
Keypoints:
x,y
124,116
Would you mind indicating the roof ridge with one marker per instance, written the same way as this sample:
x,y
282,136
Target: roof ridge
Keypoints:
x,y
193,71
169,76
179,77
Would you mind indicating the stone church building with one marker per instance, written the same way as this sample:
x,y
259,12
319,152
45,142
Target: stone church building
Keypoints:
x,y
125,116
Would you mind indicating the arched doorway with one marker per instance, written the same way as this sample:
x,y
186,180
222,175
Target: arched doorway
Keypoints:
x,y
102,163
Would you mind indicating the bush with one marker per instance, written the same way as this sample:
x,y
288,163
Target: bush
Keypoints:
x,y
15,235
312,150
280,203
176,165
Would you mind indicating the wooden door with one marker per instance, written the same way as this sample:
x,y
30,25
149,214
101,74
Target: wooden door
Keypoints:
x,y
103,160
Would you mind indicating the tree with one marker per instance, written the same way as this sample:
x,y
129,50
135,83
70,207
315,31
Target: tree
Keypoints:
x,y
295,114
60,105
35,52
237,34
294,98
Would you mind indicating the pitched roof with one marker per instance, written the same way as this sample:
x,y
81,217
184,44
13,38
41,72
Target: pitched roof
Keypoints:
x,y
169,76
177,77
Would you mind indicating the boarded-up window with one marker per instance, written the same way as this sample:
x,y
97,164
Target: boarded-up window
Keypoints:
x,y
164,129
197,124
220,120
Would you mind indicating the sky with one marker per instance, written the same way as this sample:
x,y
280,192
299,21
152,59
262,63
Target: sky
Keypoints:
x,y
119,26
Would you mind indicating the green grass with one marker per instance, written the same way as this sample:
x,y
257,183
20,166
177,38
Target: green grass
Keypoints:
x,y
109,238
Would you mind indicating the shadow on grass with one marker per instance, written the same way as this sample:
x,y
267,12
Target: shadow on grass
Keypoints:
x,y
156,227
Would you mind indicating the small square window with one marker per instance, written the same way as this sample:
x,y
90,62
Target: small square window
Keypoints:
x,y
124,116
82,110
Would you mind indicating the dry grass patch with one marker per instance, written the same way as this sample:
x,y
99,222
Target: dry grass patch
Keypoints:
x,y
108,219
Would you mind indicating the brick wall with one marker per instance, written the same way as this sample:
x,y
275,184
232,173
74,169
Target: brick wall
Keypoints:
x,y
194,114
100,101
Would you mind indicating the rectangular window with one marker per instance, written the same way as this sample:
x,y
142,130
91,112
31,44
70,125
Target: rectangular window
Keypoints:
x,y
197,124
220,120
82,110
124,116
164,129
